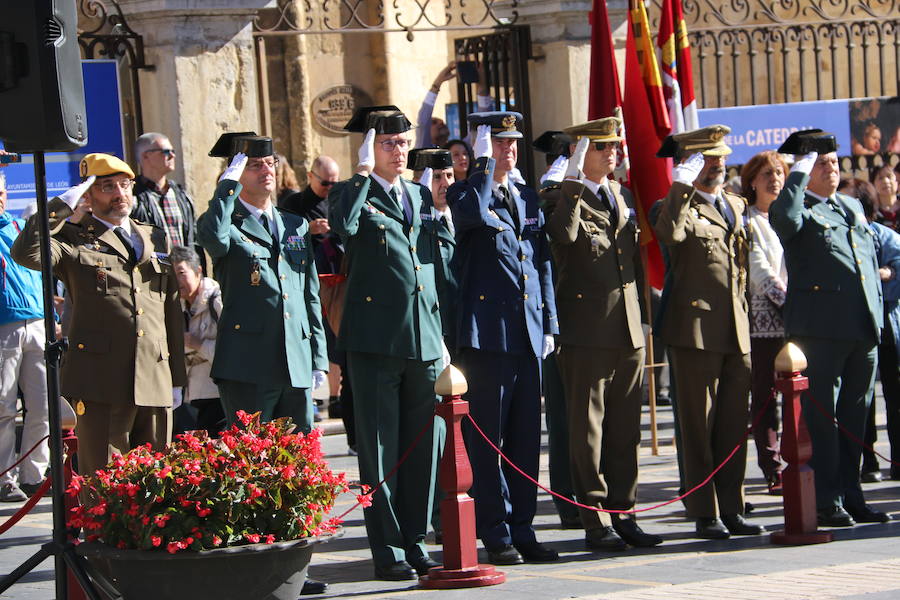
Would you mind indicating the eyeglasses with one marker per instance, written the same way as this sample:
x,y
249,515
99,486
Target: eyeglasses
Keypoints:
x,y
389,145
108,187
166,151
259,165
606,145
323,182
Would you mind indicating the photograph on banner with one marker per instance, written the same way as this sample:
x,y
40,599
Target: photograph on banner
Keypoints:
x,y
105,134
875,126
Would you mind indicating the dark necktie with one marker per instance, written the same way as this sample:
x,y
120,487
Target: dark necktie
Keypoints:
x,y
510,203
264,220
398,198
126,240
608,200
836,207
720,206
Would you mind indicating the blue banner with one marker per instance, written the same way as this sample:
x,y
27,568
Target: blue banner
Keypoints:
x,y
105,134
766,126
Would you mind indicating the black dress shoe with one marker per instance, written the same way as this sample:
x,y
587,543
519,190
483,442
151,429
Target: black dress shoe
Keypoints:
x,y
737,525
835,516
313,586
867,515
504,555
873,476
629,531
398,571
537,552
604,538
711,528
422,564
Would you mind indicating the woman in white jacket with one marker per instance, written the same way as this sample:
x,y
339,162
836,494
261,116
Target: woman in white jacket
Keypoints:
x,y
761,180
202,304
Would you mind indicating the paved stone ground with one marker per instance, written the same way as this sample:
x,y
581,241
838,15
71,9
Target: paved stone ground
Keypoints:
x,y
861,562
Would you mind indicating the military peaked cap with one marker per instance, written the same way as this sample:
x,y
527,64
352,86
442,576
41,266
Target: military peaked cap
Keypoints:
x,y
598,130
503,123
708,141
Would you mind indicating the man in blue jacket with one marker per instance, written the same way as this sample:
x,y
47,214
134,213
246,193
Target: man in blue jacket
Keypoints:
x,y
21,364
507,318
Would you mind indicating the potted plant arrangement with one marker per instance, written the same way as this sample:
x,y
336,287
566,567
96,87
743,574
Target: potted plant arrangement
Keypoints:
x,y
228,517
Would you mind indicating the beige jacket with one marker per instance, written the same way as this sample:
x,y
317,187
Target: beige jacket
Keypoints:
x,y
203,325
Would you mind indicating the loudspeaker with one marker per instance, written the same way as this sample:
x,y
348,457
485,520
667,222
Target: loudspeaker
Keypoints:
x,y
41,85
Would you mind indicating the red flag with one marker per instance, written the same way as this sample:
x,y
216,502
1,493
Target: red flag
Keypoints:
x,y
677,76
604,96
646,124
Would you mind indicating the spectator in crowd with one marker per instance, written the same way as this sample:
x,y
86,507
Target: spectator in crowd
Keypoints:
x,y
507,319
201,300
22,338
431,131
126,342
885,181
461,154
594,237
834,313
158,200
391,330
762,179
286,183
705,323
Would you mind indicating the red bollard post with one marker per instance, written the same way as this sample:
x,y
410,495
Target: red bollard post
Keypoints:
x,y
460,568
798,479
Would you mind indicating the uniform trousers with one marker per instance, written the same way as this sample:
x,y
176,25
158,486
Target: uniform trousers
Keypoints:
x,y
107,428
841,375
505,400
272,401
22,367
603,395
393,399
713,396
889,370
558,439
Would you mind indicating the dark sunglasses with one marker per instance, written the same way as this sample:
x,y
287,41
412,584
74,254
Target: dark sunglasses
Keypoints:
x,y
606,145
324,182
167,151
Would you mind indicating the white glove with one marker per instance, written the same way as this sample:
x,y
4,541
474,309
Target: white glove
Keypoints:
x,y
177,397
576,163
482,146
73,195
687,171
425,179
318,378
557,170
236,168
366,152
549,346
805,164
445,356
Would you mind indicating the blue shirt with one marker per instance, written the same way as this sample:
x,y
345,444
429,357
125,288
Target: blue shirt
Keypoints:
x,y
21,293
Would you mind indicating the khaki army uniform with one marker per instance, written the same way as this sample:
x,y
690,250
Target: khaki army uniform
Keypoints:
x,y
706,326
601,343
126,337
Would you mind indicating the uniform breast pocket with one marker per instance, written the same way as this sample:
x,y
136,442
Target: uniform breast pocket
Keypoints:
x,y
158,279
95,272
298,259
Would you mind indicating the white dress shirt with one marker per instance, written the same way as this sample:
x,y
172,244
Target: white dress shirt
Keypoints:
x,y
137,241
257,214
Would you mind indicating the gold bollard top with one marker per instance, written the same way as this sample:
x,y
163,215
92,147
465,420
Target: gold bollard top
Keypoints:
x,y
451,382
790,359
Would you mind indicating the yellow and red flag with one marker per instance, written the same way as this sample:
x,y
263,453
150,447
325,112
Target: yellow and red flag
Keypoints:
x,y
677,73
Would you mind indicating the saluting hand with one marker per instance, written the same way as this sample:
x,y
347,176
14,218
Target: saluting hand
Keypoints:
x,y
805,164
687,171
425,179
557,170
73,195
576,163
482,148
236,168
366,154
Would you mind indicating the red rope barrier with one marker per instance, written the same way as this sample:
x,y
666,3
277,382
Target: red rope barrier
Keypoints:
x,y
24,456
634,510
847,432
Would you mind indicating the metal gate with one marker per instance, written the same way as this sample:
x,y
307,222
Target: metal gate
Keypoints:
x,y
504,55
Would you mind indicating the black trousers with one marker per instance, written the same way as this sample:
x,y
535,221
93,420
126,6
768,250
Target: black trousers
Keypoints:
x,y
890,387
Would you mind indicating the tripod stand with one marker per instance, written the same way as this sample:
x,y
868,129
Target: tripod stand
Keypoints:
x,y
62,550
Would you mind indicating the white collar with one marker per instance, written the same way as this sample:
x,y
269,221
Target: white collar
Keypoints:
x,y
711,198
495,185
258,212
126,225
595,187
817,197
387,185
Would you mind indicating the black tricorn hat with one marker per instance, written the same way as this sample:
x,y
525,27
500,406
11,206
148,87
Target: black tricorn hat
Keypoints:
x,y
383,119
434,158
809,140
553,142
248,142
669,148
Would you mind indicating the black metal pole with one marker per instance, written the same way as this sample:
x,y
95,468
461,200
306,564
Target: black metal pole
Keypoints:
x,y
59,547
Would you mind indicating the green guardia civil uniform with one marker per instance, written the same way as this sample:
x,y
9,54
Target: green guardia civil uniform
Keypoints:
x,y
391,331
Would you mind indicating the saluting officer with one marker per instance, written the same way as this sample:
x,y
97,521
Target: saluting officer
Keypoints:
x,y
706,326
594,235
391,330
833,312
270,349
507,318
126,342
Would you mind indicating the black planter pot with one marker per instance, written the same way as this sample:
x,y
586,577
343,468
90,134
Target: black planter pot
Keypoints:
x,y
253,572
